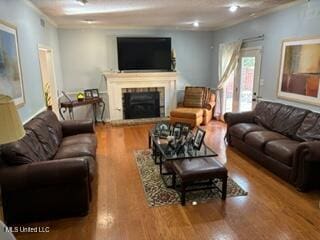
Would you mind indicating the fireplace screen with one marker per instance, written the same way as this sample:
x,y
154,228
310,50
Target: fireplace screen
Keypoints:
x,y
141,105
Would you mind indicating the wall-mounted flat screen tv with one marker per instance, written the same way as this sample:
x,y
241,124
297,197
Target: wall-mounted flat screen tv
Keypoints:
x,y
135,53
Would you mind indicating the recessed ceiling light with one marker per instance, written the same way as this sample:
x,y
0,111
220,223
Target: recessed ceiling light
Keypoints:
x,y
89,21
233,8
82,2
196,24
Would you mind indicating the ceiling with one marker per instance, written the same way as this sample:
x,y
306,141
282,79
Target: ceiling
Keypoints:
x,y
166,14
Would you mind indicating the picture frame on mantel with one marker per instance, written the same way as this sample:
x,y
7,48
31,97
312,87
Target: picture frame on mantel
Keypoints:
x,y
299,76
11,81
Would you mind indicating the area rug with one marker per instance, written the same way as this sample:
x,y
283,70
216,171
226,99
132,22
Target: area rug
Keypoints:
x,y
129,122
157,194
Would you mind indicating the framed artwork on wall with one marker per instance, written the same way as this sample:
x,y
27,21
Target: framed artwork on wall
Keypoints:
x,y
299,78
11,82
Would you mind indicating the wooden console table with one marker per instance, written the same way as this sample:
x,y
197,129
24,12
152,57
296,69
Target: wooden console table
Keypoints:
x,y
69,105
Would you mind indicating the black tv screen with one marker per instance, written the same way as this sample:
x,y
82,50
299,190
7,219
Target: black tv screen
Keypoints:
x,y
144,53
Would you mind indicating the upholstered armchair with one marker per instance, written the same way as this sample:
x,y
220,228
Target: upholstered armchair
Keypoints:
x,y
196,108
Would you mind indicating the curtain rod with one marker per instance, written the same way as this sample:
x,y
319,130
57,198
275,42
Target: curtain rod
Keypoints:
x,y
251,39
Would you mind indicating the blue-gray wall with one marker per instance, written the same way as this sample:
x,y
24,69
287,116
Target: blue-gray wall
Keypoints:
x,y
30,35
302,20
85,53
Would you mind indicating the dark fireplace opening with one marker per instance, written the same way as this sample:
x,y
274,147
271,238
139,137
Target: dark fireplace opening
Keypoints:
x,y
141,105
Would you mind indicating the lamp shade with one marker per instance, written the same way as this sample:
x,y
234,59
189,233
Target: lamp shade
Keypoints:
x,y
11,128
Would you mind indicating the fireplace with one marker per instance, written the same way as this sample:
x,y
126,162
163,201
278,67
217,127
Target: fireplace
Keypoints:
x,y
141,105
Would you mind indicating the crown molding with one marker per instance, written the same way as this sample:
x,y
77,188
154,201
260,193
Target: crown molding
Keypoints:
x,y
105,27
37,10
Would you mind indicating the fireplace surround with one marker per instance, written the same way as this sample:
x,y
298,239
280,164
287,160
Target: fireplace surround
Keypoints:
x,y
117,83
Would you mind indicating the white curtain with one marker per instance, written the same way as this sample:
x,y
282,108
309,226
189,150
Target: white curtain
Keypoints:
x,y
228,61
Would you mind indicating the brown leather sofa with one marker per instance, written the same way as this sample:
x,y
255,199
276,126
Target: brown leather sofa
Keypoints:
x,y
282,138
196,108
47,174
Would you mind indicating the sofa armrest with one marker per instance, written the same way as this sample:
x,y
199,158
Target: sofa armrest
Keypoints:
x,y
307,165
309,151
44,173
242,117
72,127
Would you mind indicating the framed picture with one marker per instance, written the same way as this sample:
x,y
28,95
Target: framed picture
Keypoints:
x,y
163,126
177,132
11,83
66,96
299,77
171,129
198,138
88,93
95,93
185,129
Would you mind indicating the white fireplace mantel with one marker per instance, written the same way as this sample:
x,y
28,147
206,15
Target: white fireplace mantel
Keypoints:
x,y
117,81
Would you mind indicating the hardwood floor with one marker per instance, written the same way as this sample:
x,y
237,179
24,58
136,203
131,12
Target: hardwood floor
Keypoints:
x,y
272,210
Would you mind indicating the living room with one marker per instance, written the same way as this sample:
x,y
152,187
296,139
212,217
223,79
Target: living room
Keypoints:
x,y
159,120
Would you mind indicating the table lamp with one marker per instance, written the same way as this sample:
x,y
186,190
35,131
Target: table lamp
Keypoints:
x,y
11,128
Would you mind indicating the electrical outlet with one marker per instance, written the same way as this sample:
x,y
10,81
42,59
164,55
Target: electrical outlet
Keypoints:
x,y
261,82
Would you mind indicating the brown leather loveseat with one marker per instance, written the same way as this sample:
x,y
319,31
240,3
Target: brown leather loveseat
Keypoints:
x,y
282,138
47,173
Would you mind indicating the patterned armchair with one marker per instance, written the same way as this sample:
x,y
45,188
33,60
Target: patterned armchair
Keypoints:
x,y
196,108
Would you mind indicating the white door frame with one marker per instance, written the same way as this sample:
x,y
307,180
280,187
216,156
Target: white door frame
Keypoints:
x,y
48,49
237,78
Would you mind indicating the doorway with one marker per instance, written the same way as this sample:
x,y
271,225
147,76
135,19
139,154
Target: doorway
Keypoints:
x,y
48,79
242,88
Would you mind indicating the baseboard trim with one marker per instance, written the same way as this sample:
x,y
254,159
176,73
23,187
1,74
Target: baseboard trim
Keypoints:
x,y
35,114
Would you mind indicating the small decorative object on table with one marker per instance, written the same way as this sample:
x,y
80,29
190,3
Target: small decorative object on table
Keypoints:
x,y
198,138
88,93
80,96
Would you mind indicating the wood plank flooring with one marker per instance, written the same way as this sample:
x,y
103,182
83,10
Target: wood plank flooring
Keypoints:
x,y
272,210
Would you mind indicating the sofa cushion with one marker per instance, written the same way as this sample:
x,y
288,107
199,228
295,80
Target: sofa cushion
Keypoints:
x,y
191,113
288,119
310,128
241,129
87,138
50,119
26,150
260,138
265,112
91,162
76,150
47,140
282,150
194,97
